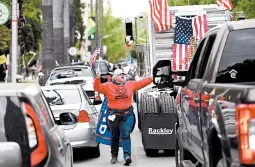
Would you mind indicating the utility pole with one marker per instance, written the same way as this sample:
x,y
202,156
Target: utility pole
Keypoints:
x,y
14,40
97,21
101,27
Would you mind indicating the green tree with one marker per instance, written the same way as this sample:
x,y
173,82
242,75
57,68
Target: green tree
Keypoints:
x,y
31,34
5,38
247,6
79,24
115,29
191,2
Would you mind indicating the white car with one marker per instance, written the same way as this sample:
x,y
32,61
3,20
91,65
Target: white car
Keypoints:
x,y
72,101
78,74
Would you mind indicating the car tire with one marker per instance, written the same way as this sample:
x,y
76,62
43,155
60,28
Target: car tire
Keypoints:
x,y
151,152
96,152
167,104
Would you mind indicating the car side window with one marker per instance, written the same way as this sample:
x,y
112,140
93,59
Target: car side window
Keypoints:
x,y
46,111
192,69
203,59
86,97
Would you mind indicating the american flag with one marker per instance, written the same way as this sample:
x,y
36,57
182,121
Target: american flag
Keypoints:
x,y
186,31
160,15
94,56
227,4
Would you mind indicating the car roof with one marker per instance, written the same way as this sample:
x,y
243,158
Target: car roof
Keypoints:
x,y
76,66
241,24
53,87
14,89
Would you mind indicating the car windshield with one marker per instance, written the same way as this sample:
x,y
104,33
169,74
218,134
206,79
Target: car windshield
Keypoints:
x,y
71,72
62,96
102,67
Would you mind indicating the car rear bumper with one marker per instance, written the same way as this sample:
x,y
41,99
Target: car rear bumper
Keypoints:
x,y
82,135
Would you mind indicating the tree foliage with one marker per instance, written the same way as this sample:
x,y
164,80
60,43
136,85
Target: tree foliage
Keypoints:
x,y
191,2
114,27
32,32
247,6
79,24
5,38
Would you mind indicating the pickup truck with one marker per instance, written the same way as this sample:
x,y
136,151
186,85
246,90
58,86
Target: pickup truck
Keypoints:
x,y
216,104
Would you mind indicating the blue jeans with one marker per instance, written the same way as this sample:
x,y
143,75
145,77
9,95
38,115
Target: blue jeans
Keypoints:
x,y
121,128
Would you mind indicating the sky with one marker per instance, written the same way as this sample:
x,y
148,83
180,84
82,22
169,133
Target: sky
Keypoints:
x,y
128,8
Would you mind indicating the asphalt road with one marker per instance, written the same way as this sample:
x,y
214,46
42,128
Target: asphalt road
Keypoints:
x,y
138,156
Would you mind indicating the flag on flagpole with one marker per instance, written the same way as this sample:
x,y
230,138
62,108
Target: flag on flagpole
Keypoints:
x,y
227,4
160,15
94,56
188,32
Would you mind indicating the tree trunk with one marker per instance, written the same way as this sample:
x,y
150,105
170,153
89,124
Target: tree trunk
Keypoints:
x,y
66,31
72,21
47,58
58,30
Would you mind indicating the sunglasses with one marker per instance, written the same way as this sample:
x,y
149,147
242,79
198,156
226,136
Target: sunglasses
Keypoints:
x,y
121,74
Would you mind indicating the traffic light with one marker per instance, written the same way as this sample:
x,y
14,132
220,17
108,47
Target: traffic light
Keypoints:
x,y
92,28
129,32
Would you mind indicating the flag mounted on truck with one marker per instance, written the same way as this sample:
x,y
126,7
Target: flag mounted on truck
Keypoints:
x,y
188,34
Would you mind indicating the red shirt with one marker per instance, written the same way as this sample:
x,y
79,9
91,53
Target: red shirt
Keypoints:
x,y
120,96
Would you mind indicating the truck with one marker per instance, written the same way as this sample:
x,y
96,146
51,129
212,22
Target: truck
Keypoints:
x,y
216,104
156,104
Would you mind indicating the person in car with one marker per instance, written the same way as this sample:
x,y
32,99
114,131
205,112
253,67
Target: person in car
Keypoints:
x,y
121,119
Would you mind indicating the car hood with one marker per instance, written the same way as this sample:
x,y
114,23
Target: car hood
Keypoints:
x,y
59,109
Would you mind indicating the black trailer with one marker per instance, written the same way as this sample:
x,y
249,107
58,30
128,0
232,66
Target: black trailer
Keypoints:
x,y
158,111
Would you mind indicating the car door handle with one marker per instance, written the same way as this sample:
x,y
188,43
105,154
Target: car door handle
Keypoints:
x,y
187,97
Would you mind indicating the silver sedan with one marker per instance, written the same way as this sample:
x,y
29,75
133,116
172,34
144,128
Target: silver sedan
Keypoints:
x,y
72,102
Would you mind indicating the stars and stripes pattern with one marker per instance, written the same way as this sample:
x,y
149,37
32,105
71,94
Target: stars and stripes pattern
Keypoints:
x,y
94,56
103,134
183,33
227,4
188,34
200,26
160,15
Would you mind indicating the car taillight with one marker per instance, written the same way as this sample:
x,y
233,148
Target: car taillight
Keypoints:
x,y
36,137
83,116
245,122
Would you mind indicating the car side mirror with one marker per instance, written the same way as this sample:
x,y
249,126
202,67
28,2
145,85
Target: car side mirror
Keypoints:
x,y
10,154
162,74
67,118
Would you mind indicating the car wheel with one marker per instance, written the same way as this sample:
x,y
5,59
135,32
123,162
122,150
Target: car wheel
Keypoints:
x,y
151,152
96,152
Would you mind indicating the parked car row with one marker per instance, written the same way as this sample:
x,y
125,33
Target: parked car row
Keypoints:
x,y
40,126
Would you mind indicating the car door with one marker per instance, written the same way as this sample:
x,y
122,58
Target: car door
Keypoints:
x,y
59,143
199,99
190,107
